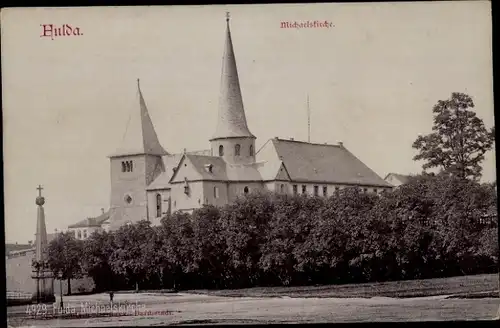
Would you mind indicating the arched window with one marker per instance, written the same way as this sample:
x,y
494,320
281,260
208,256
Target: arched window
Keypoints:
x,y
85,233
158,205
221,150
237,148
251,150
124,168
245,190
131,166
216,192
282,188
79,234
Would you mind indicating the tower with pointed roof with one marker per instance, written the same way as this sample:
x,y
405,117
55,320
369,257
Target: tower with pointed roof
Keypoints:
x,y
232,140
136,163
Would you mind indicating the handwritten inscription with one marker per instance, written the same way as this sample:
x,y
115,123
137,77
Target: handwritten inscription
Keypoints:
x,y
53,31
306,24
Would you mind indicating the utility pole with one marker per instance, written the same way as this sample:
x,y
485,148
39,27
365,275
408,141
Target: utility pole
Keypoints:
x,y
61,290
308,120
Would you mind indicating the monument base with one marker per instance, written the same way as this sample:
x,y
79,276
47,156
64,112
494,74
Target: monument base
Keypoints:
x,y
44,288
43,298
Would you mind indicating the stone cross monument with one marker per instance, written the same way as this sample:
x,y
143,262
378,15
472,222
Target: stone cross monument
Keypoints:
x,y
44,278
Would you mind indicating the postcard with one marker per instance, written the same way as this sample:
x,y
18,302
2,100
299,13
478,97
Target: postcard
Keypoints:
x,y
278,163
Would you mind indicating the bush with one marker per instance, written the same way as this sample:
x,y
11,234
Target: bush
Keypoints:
x,y
434,226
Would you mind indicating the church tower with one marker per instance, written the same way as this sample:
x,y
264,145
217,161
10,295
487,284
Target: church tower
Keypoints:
x,y
232,139
134,166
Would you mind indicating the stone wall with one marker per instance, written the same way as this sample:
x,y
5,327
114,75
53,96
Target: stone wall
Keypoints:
x,y
19,271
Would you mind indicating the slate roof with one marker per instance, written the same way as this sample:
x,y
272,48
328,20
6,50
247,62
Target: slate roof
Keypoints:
x,y
170,162
91,222
140,136
309,162
304,162
231,120
162,181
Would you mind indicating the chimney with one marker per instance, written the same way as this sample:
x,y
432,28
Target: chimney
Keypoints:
x,y
291,139
102,210
341,144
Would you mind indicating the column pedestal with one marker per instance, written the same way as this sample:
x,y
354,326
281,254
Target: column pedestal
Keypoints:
x,y
44,287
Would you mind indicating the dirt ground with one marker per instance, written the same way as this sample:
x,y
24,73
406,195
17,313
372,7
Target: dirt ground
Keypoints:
x,y
184,308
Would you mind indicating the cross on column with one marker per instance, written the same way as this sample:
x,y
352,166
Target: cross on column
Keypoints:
x,y
39,188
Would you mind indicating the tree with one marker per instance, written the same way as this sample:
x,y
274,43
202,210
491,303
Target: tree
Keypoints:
x,y
210,257
64,254
459,139
177,248
133,255
96,254
245,224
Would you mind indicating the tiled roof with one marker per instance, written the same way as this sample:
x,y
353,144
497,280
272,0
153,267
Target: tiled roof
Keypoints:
x,y
269,170
302,162
322,162
91,222
222,171
219,168
401,177
162,181
170,162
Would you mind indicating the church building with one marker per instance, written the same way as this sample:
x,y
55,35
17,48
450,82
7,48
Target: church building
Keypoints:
x,y
147,181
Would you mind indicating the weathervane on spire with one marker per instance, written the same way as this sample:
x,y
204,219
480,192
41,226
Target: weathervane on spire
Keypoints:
x,y
227,16
138,83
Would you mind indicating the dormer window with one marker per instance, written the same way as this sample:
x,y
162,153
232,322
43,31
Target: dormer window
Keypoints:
x,y
221,150
245,190
251,150
209,168
237,149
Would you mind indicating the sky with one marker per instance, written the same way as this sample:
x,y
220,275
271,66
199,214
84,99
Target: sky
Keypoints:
x,y
372,80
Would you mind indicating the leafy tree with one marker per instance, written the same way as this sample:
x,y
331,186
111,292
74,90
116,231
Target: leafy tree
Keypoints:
x,y
64,257
285,242
245,225
209,253
459,139
96,256
177,249
132,255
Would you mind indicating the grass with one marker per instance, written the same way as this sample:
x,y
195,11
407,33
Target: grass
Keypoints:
x,y
486,285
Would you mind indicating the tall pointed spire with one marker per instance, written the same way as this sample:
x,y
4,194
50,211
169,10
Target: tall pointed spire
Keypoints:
x,y
44,292
140,136
231,120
